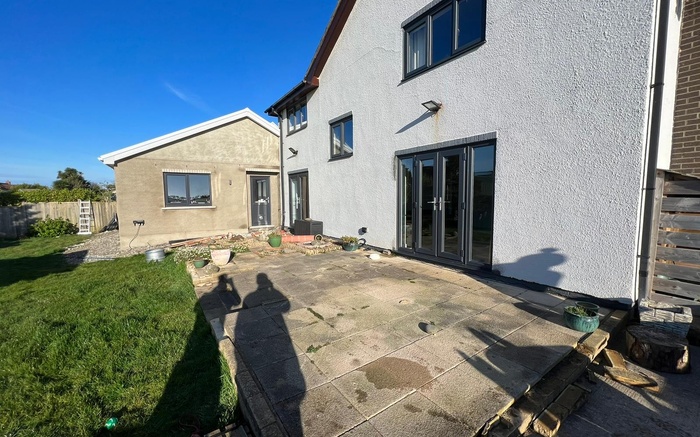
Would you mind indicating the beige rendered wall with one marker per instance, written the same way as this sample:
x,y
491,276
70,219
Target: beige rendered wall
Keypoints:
x,y
230,153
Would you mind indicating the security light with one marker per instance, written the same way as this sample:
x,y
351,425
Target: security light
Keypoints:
x,y
294,151
432,105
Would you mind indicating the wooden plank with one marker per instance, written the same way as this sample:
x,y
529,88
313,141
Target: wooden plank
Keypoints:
x,y
680,221
646,271
677,288
678,272
683,239
678,254
680,204
682,188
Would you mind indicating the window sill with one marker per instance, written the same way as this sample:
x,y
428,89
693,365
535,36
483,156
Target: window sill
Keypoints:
x,y
170,208
341,157
289,133
458,54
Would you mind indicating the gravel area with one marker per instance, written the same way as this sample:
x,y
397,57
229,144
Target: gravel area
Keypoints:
x,y
100,247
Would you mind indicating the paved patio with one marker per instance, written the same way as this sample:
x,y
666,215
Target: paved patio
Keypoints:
x,y
338,344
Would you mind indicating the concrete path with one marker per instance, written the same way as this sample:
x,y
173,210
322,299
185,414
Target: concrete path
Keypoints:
x,y
338,344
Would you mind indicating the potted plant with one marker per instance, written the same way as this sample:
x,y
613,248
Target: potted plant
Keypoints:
x,y
351,243
199,263
220,255
580,318
275,239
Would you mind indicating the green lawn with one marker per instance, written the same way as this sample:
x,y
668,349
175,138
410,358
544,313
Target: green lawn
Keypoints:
x,y
123,338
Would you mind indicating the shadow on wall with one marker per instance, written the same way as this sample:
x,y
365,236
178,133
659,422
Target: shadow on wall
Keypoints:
x,y
536,268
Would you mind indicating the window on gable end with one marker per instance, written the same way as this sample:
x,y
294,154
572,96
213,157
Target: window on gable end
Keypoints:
x,y
445,31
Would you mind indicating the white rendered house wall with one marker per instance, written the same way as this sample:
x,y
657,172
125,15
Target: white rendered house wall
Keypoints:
x,y
564,88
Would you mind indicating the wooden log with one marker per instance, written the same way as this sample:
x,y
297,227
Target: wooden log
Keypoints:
x,y
615,358
658,350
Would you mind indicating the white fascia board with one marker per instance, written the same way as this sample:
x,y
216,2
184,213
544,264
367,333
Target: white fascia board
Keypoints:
x,y
111,158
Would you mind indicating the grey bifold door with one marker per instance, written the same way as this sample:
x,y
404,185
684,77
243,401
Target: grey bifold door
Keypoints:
x,y
446,204
260,211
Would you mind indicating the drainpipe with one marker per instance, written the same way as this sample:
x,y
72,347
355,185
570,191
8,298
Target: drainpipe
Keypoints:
x,y
282,202
656,93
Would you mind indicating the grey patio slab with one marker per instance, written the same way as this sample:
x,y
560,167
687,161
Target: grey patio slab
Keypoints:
x,y
243,316
541,298
286,305
524,348
262,352
315,335
365,317
463,394
357,350
296,319
416,415
365,429
289,377
253,330
322,411
481,299
453,345
374,386
408,327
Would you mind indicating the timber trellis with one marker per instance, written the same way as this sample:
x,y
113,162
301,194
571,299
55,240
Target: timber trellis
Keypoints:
x,y
15,220
677,266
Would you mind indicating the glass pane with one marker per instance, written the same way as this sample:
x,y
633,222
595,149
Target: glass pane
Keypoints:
x,y
406,189
442,35
177,189
292,119
347,137
297,117
295,191
470,21
427,170
335,140
451,205
200,189
303,114
482,212
417,48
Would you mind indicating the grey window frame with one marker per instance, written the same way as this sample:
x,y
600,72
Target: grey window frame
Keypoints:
x,y
187,190
341,121
426,18
292,111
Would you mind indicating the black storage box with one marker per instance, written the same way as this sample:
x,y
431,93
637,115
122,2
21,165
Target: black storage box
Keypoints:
x,y
308,227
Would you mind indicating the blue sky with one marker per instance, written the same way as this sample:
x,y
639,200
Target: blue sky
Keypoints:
x,y
82,78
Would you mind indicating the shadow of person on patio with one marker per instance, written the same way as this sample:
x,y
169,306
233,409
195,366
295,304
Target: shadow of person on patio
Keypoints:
x,y
267,354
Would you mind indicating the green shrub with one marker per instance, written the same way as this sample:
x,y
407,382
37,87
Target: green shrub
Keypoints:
x,y
10,198
49,227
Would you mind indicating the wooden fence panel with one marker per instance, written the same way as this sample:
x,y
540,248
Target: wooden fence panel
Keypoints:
x,y
15,220
677,267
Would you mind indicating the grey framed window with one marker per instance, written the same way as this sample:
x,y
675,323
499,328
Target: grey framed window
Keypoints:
x,y
296,117
447,30
187,189
341,138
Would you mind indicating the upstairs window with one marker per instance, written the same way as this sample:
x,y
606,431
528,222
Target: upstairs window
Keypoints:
x,y
341,137
445,31
187,189
296,117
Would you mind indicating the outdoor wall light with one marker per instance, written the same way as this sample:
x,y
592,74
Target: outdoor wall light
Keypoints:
x,y
294,151
432,105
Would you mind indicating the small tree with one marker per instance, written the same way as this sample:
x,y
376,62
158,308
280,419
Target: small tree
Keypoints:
x,y
69,179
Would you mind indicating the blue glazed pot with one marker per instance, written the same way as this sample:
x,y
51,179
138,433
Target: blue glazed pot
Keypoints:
x,y
581,323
